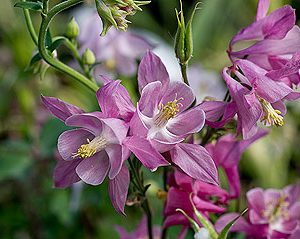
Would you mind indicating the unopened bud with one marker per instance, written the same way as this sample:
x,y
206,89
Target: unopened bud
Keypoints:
x,y
184,39
72,29
88,57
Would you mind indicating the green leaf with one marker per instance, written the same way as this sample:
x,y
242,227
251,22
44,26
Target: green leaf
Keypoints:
x,y
35,6
48,39
37,57
57,41
224,232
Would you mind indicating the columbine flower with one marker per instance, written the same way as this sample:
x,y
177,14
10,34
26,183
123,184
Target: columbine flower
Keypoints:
x,y
162,121
141,231
257,97
277,39
227,152
94,150
117,52
181,187
272,213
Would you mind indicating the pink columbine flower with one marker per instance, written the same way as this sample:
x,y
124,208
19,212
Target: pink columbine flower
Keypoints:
x,y
227,152
141,231
272,214
94,150
277,43
257,97
178,197
117,52
163,119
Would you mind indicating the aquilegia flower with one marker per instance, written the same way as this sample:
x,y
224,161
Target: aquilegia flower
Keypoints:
x,y
117,52
94,150
257,97
272,214
227,152
163,119
178,197
276,43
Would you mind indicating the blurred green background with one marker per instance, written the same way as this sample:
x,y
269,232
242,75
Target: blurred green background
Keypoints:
x,y
29,205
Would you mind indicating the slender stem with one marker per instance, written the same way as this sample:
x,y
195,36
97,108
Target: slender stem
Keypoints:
x,y
72,47
145,202
145,206
30,26
183,68
48,58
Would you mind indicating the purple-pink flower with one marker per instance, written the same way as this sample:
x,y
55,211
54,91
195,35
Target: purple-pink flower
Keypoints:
x,y
276,43
272,214
227,152
94,150
257,97
178,197
117,52
163,119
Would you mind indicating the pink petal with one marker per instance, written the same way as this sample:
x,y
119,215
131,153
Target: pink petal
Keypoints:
x,y
70,141
262,9
152,69
93,170
195,161
59,108
189,122
144,151
118,189
114,152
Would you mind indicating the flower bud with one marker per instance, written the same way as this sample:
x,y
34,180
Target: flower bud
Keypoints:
x,y
114,13
88,57
184,39
72,29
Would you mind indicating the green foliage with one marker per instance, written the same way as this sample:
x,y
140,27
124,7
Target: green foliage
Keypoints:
x,y
35,6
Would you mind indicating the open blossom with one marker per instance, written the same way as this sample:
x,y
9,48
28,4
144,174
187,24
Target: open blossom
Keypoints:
x,y
162,121
178,197
276,43
257,97
117,52
227,152
272,214
94,150
141,231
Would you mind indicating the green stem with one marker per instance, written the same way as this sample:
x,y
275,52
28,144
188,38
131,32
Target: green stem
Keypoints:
x,y
183,68
72,47
30,25
48,58
145,202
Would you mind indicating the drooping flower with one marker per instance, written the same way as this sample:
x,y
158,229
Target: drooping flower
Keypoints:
x,y
276,43
272,214
163,120
141,231
94,150
257,97
227,152
117,52
207,199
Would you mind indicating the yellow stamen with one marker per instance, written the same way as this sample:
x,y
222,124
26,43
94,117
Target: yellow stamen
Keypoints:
x,y
167,111
92,147
278,210
271,116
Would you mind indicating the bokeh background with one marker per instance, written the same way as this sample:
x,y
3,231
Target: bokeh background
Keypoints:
x,y
30,207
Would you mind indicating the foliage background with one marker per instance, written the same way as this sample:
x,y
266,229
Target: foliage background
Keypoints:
x,y
29,205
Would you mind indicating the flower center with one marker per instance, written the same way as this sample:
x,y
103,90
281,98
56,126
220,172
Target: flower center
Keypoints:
x,y
271,116
92,147
167,112
278,211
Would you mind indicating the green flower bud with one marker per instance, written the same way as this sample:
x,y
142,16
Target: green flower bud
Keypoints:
x,y
88,57
184,39
72,29
114,13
